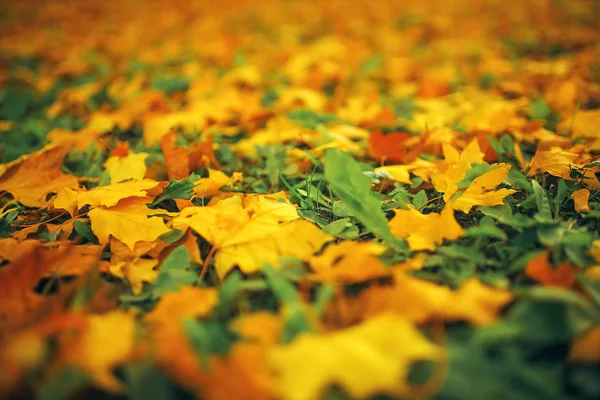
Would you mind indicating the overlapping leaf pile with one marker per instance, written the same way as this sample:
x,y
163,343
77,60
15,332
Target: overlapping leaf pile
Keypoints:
x,y
300,200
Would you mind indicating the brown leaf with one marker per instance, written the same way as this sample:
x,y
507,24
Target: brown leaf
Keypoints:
x,y
32,177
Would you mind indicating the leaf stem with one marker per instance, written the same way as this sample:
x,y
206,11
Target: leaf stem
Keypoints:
x,y
209,257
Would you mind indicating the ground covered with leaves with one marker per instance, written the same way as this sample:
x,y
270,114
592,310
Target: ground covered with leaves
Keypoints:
x,y
300,200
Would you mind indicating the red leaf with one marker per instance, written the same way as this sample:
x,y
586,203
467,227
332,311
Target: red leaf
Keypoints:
x,y
389,147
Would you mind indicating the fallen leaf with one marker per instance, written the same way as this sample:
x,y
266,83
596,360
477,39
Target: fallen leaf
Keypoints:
x,y
76,140
137,272
248,236
349,262
110,195
386,346
188,301
540,270
480,192
424,231
586,347
129,167
66,199
454,167
207,187
555,162
388,147
421,301
31,178
176,158
581,197
260,327
130,221
103,343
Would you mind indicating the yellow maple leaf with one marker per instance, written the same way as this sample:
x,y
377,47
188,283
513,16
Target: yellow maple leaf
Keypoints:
x,y
32,177
584,124
581,198
19,354
480,193
349,261
137,272
421,301
454,167
76,140
132,166
424,231
216,179
110,195
248,235
247,363
278,130
157,126
261,327
305,97
373,357
130,221
556,162
121,252
66,199
105,342
188,301
401,173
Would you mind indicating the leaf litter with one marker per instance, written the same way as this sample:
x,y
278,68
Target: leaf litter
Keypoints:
x,y
300,200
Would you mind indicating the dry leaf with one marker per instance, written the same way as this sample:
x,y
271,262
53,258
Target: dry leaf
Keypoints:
x,y
581,197
110,195
261,231
540,269
371,358
480,192
104,342
349,262
129,167
586,347
422,301
130,221
31,178
188,301
424,231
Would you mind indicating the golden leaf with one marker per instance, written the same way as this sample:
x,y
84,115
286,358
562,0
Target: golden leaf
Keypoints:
x,y
248,235
207,187
555,162
32,177
581,197
423,232
130,221
137,272
188,301
132,166
421,301
371,358
349,261
480,193
454,167
110,195
66,199
105,342
76,140
261,327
